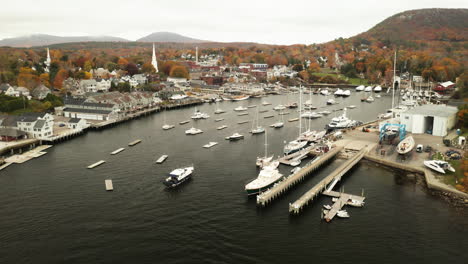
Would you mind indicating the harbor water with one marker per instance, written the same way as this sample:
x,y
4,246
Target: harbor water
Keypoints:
x,y
55,210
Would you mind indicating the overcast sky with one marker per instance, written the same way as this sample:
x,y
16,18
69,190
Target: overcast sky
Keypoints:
x,y
275,22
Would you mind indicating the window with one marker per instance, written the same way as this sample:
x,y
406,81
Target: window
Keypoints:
x,y
406,117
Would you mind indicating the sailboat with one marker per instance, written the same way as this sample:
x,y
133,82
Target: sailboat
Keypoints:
x,y
258,129
280,122
406,145
166,126
296,145
265,160
218,110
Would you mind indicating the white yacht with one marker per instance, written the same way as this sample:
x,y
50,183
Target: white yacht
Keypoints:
x,y
264,103
331,102
370,99
193,131
438,165
294,146
368,89
279,107
351,106
178,176
256,128
342,122
199,115
346,93
240,108
378,89
342,214
267,177
360,88
235,136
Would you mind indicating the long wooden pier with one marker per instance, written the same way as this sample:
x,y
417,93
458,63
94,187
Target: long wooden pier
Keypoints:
x,y
279,188
333,178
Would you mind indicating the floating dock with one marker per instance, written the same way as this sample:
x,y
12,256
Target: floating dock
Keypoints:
x,y
94,165
242,122
117,151
133,143
210,144
343,199
332,178
268,116
242,114
184,122
299,155
109,186
263,111
28,155
284,185
162,159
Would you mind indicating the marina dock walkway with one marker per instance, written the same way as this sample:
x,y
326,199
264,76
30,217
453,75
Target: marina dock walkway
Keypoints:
x,y
343,199
285,184
332,178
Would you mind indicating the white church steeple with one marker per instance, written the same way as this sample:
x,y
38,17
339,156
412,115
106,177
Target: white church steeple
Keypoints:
x,y
154,61
47,61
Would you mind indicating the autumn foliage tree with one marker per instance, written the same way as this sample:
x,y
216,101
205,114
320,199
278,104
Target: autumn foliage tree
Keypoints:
x,y
61,75
179,72
27,78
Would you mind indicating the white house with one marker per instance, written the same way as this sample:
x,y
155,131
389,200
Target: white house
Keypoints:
x,y
36,125
77,124
103,85
88,86
433,119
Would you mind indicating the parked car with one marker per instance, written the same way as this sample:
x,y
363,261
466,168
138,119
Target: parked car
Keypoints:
x,y
428,149
419,148
61,125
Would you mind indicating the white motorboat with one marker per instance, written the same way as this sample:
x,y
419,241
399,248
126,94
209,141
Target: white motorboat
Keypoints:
x,y
219,119
406,145
184,122
279,107
265,160
210,144
355,203
326,206
267,177
218,110
324,92
370,99
277,124
368,89
235,136
378,89
439,165
378,96
338,92
311,115
221,127
351,106
167,127
324,112
240,108
342,122
178,176
346,93
294,146
331,102
360,88
342,214
193,131
199,115
264,103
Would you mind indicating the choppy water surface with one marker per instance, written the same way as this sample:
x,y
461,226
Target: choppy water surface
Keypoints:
x,y
54,210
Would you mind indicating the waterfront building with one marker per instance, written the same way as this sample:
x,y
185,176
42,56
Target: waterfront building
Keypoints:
x,y
40,92
432,119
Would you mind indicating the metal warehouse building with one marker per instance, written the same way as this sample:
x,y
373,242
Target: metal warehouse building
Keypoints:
x,y
431,119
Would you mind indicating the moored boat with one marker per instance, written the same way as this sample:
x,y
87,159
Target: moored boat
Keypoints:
x,y
178,176
267,177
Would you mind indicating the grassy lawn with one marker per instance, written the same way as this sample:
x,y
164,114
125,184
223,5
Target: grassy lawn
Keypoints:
x,y
355,81
454,178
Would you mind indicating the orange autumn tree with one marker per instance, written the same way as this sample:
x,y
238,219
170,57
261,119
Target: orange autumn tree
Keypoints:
x,y
61,75
27,78
179,72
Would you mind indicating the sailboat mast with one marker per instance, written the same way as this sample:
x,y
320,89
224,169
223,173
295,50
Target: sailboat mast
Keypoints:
x,y
393,83
300,109
310,106
266,144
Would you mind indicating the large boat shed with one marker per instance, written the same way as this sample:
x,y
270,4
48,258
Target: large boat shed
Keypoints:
x,y
432,119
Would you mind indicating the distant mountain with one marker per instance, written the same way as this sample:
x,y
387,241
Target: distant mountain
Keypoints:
x,y
44,40
435,24
169,37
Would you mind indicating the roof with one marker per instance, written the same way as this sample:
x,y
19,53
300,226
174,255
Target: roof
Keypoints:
x,y
89,111
433,110
30,117
74,120
447,84
40,123
11,132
